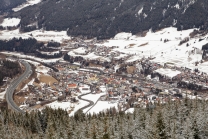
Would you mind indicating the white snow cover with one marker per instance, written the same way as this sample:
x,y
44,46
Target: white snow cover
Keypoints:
x,y
93,97
177,6
42,69
31,82
26,4
39,35
10,22
2,94
120,56
123,35
152,45
49,53
89,56
80,50
20,55
130,110
134,58
102,106
140,11
167,72
81,69
67,106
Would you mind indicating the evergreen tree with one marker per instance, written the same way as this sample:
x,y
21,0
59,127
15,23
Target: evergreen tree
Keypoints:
x,y
161,126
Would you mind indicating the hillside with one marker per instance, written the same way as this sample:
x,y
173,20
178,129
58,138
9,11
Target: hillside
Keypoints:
x,y
104,19
7,5
175,120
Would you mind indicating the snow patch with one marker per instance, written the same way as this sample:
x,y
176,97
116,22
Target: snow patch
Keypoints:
x,y
164,11
123,35
20,55
39,35
102,106
167,72
26,4
160,52
2,94
177,6
10,22
140,11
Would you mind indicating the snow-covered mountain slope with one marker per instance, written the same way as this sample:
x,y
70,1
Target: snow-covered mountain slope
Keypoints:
x,y
162,47
176,48
7,5
104,19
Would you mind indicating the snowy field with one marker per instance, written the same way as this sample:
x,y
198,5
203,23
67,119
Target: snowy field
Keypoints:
x,y
80,50
26,4
130,110
10,22
153,45
93,97
168,72
2,94
67,106
102,106
91,56
20,55
39,35
49,53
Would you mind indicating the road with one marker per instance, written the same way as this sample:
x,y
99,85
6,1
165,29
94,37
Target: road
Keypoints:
x,y
91,103
140,79
14,84
94,104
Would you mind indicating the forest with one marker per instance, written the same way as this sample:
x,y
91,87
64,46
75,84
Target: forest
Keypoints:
x,y
180,119
205,47
29,46
104,19
8,69
205,52
7,5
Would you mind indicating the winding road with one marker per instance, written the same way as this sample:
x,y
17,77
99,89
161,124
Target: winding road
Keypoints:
x,y
94,104
13,86
91,103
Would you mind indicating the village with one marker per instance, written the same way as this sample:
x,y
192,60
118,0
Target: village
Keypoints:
x,y
139,83
95,75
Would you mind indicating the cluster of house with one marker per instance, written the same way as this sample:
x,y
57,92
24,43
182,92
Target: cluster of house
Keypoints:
x,y
126,92
186,78
124,81
121,89
40,95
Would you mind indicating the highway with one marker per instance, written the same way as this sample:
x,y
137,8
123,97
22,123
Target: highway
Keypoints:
x,y
13,86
